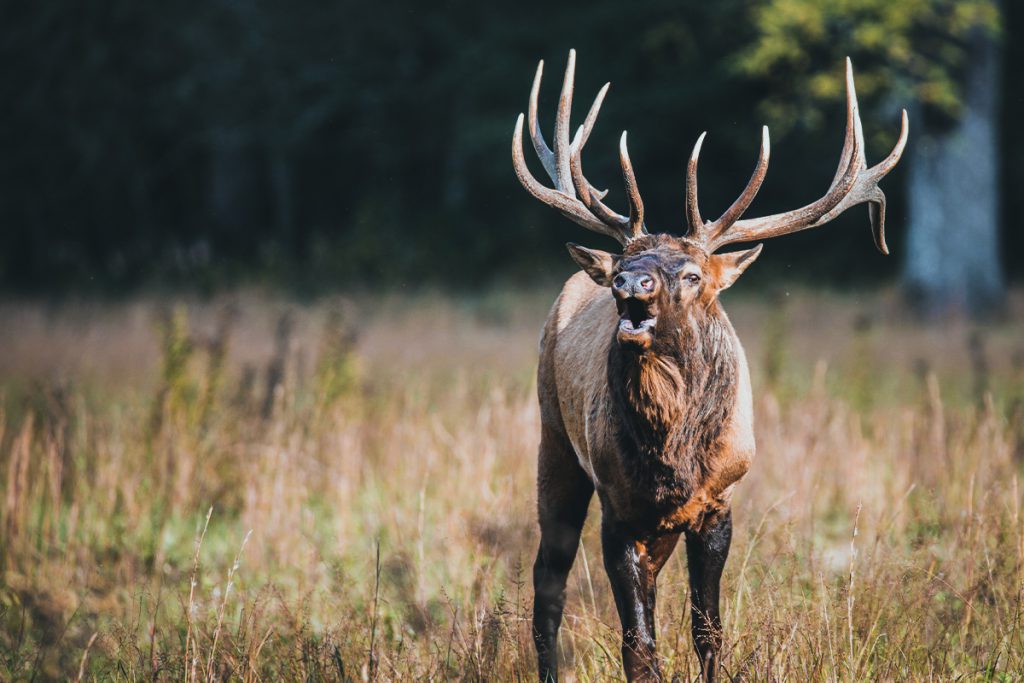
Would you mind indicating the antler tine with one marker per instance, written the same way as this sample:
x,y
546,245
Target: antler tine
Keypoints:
x,y
573,196
544,153
582,135
590,197
792,221
562,147
694,222
588,194
636,204
881,169
869,192
566,204
742,203
853,184
853,127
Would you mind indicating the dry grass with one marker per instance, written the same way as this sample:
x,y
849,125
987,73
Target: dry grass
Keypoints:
x,y
259,490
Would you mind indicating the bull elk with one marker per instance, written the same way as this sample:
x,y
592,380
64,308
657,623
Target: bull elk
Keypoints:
x,y
644,390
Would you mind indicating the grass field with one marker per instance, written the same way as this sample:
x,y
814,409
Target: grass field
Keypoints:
x,y
255,489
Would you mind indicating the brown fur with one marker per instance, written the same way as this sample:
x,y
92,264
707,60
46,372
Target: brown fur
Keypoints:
x,y
670,409
645,399
662,434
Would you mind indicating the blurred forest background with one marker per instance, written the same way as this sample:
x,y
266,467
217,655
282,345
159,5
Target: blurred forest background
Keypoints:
x,y
221,460
314,145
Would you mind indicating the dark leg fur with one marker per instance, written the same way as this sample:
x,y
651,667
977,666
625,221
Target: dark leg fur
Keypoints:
x,y
563,492
658,551
632,572
706,553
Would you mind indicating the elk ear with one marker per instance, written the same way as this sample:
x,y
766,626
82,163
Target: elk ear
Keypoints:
x,y
731,265
599,265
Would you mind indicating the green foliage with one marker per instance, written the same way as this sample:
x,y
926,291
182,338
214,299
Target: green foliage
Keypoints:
x,y
185,398
910,51
177,391
337,372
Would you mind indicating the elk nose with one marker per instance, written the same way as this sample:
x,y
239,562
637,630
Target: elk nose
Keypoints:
x,y
638,285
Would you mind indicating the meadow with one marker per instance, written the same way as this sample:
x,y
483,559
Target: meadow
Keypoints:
x,y
254,488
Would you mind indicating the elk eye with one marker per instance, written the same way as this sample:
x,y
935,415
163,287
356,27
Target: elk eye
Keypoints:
x,y
692,278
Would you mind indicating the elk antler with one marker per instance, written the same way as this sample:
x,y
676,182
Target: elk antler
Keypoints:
x,y
573,196
854,183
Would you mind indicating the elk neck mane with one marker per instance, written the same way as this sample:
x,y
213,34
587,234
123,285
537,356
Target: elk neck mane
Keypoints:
x,y
673,403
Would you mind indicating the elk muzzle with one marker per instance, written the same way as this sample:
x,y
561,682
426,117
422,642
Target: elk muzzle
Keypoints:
x,y
638,285
635,294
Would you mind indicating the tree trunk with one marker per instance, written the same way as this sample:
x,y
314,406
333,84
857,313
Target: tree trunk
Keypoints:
x,y
952,258
230,192
281,188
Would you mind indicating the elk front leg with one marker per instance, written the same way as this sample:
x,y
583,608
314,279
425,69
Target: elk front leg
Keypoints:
x,y
632,574
658,551
563,495
706,552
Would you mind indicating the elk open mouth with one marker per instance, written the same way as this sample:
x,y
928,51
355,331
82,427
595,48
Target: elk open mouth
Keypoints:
x,y
636,321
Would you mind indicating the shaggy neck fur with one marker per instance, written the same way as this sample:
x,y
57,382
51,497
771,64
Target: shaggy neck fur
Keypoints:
x,y
673,403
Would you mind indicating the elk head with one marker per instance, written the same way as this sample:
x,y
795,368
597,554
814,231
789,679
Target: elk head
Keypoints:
x,y
658,277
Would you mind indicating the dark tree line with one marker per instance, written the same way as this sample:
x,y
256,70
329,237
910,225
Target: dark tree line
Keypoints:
x,y
321,144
